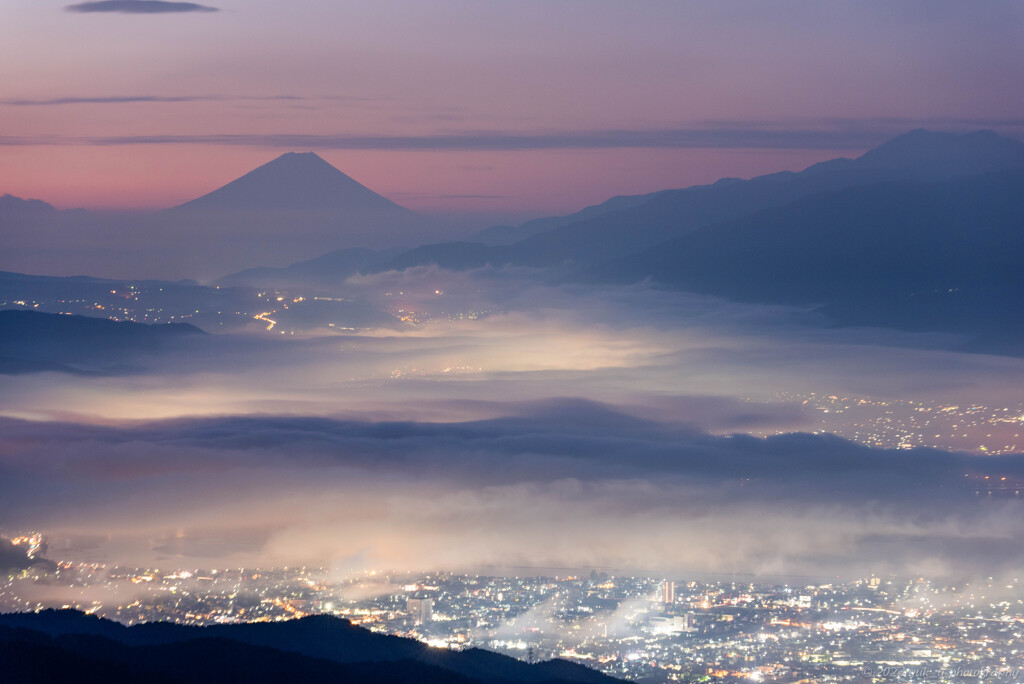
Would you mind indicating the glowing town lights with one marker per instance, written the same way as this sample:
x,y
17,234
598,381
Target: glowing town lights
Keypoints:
x,y
265,317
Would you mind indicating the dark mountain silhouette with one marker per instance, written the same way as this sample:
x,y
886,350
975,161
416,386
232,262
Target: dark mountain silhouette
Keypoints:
x,y
937,156
9,204
509,235
35,341
318,648
925,256
23,285
295,181
30,656
293,208
456,256
918,155
26,223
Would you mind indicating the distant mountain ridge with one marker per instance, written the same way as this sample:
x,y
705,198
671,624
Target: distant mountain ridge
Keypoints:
x,y
10,203
315,649
509,235
298,208
917,156
940,256
937,156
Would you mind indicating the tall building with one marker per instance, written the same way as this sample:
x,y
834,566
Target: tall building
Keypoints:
x,y
671,624
668,593
420,609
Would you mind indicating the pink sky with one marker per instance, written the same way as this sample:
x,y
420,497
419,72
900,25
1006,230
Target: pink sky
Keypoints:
x,y
418,101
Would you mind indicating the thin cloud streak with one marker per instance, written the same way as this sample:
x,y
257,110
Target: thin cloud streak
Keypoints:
x,y
724,135
130,99
139,7
100,100
496,140
489,140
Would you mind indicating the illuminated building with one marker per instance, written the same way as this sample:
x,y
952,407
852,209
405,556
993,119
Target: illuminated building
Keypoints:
x,y
421,609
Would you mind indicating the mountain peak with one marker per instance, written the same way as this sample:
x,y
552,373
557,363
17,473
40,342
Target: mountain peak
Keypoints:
x,y
942,153
301,181
10,202
299,158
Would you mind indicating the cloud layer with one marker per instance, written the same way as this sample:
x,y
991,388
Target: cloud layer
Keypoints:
x,y
565,426
562,484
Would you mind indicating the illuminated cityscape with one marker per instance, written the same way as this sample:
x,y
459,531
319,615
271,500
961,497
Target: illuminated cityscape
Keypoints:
x,y
906,424
734,629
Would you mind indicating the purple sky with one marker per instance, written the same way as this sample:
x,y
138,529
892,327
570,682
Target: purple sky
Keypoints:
x,y
519,108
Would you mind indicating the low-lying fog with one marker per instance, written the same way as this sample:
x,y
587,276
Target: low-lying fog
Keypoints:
x,y
520,424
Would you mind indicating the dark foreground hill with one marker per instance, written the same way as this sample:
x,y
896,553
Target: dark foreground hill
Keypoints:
x,y
33,341
54,645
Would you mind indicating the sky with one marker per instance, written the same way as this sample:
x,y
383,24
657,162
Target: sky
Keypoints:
x,y
481,108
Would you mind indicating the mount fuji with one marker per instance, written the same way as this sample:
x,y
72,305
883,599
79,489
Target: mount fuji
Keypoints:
x,y
296,181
